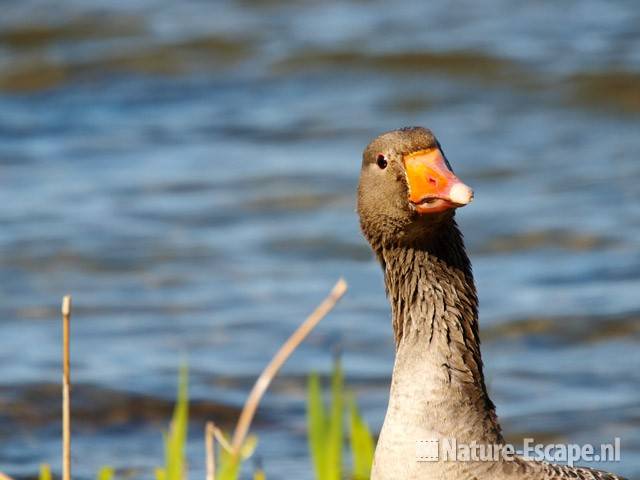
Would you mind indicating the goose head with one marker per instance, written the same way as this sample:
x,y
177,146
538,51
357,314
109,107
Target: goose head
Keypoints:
x,y
407,188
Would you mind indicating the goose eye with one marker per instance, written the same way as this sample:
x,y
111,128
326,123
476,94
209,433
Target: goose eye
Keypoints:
x,y
381,161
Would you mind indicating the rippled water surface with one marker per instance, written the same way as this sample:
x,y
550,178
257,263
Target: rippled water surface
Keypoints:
x,y
187,171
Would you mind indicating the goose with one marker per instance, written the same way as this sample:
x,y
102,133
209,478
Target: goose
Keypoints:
x,y
406,201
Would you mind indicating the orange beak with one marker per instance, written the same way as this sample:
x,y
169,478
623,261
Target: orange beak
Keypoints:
x,y
433,187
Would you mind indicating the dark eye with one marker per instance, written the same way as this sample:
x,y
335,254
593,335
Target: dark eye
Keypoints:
x,y
381,161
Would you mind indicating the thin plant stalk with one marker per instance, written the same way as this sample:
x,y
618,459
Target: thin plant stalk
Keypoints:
x,y
219,436
66,390
4,476
209,442
281,356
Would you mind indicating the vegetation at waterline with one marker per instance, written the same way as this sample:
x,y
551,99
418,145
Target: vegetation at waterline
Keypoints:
x,y
225,455
325,433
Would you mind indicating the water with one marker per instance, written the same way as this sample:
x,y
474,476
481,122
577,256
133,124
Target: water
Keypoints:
x,y
187,172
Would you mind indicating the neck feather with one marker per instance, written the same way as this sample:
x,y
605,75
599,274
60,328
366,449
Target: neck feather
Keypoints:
x,y
435,321
430,287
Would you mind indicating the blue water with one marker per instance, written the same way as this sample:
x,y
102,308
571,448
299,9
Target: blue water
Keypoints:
x,y
187,171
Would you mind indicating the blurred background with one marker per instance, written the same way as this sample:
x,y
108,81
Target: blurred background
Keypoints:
x,y
187,171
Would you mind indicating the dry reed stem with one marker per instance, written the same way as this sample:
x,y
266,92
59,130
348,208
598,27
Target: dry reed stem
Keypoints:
x,y
209,442
265,378
224,443
5,477
66,390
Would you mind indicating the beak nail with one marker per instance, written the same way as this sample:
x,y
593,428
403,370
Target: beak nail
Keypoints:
x,y
461,194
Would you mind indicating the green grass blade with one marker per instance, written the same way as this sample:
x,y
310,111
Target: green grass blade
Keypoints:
x,y
176,439
316,426
229,469
229,465
105,473
45,472
248,447
259,475
336,421
362,446
161,474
